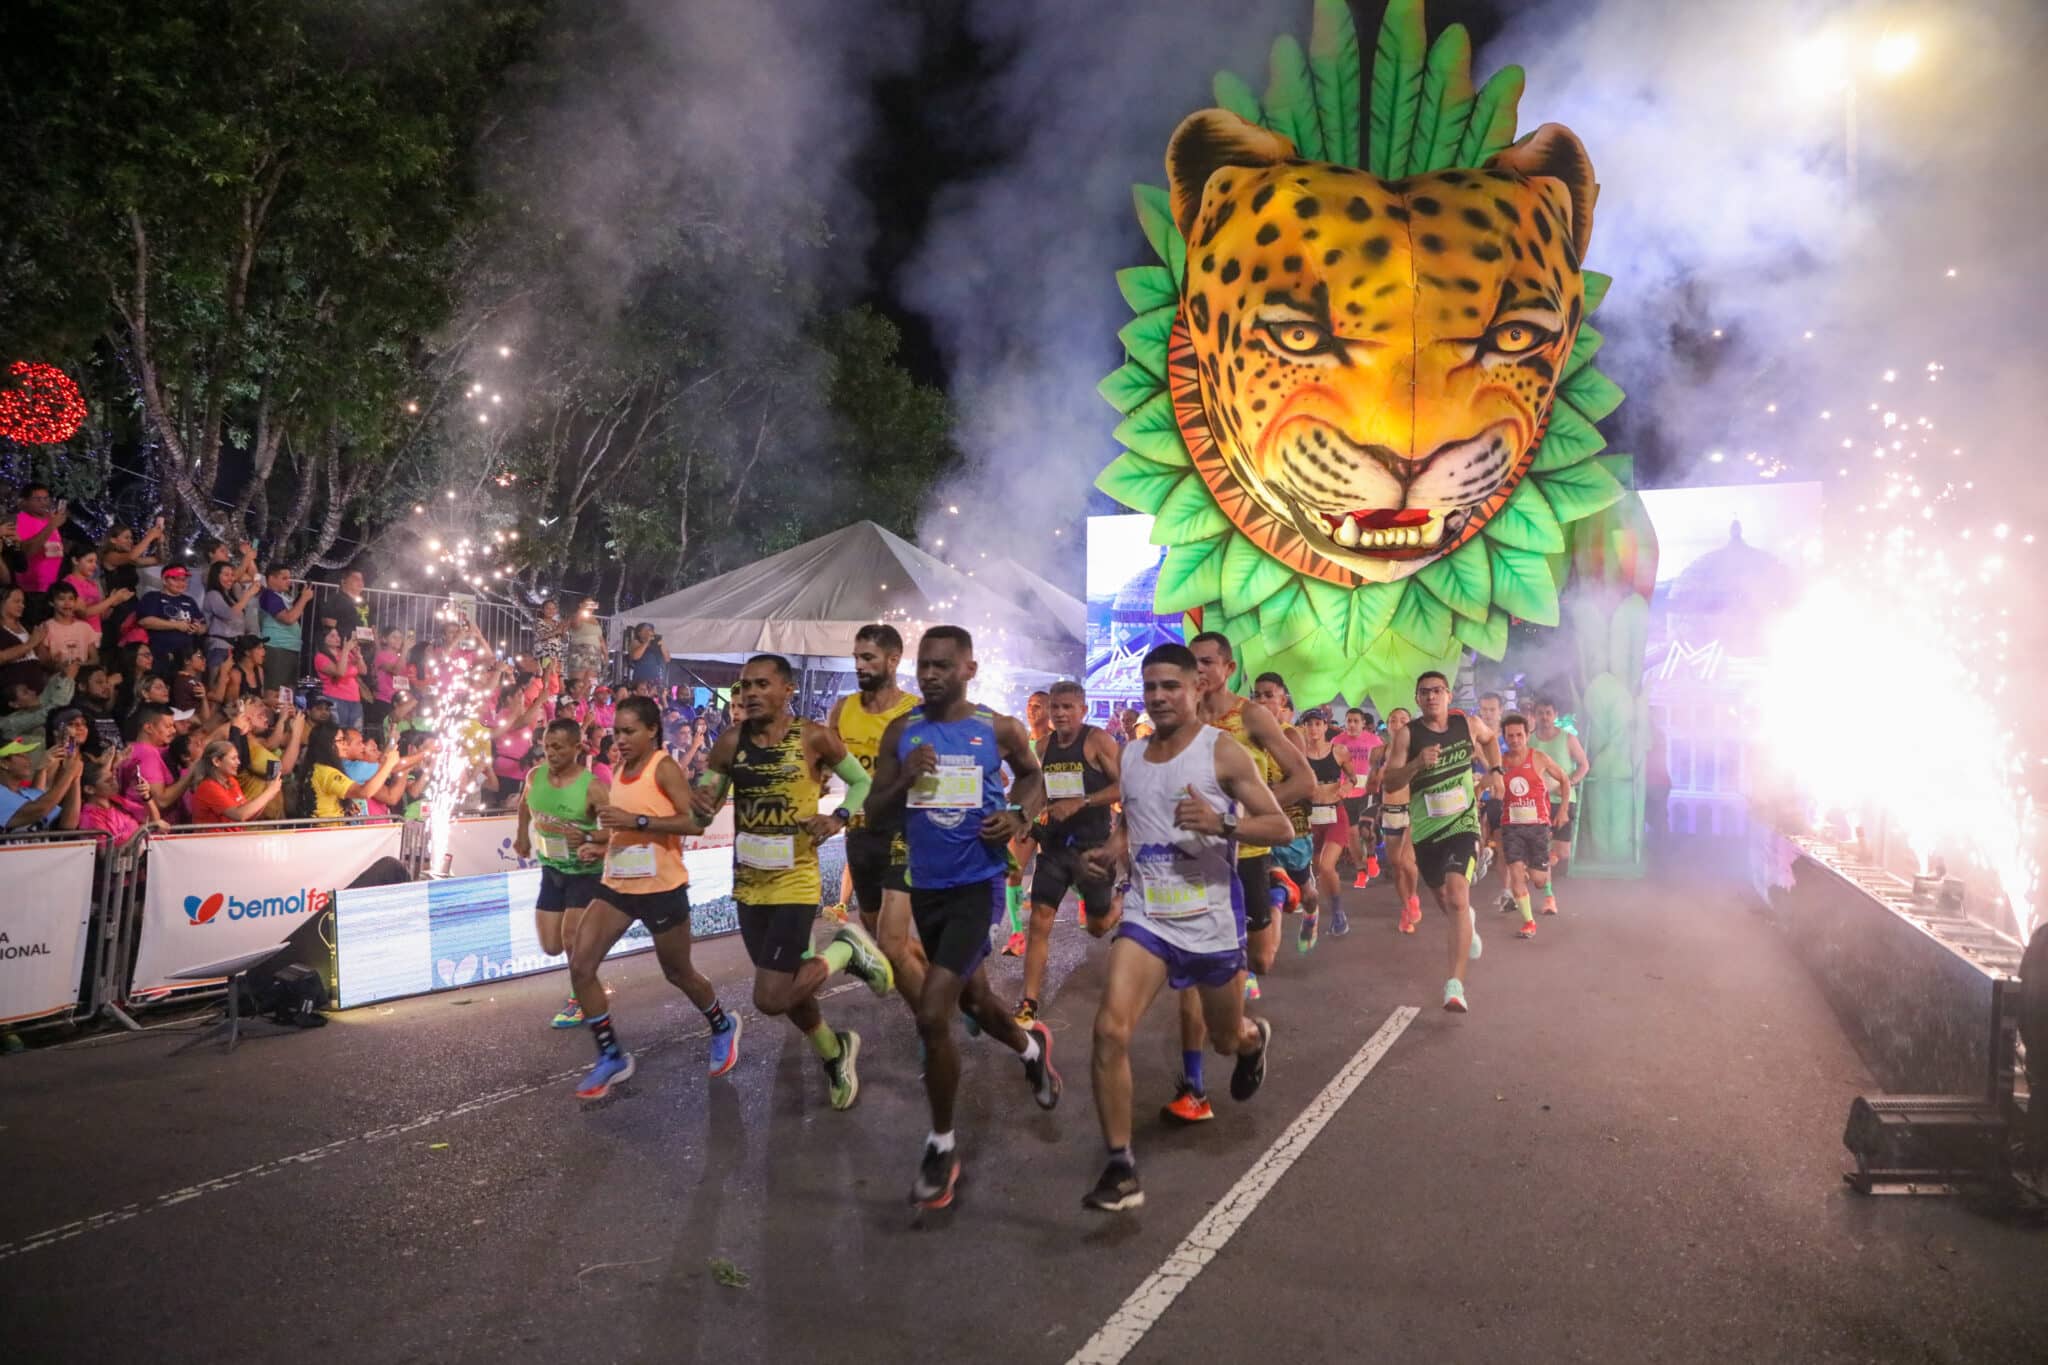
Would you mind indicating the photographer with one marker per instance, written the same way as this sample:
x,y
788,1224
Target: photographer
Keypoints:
x,y
646,657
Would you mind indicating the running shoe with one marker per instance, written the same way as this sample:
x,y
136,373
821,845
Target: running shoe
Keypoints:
x,y
1340,923
1289,889
1454,996
1549,906
1015,947
1528,929
1485,862
725,1046
867,963
1372,867
1251,985
1045,1082
1476,944
569,1016
1507,903
1250,1072
1027,1014
1411,915
1116,1191
1189,1106
611,1068
835,912
1307,941
937,1174
1361,881
840,1073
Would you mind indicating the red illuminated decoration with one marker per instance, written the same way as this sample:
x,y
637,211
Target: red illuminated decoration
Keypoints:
x,y
42,407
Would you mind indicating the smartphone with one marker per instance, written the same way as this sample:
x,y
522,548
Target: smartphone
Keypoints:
x,y
284,697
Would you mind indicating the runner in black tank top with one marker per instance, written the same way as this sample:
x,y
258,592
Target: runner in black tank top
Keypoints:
x,y
1081,767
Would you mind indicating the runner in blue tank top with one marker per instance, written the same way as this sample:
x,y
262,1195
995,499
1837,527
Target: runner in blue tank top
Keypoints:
x,y
939,765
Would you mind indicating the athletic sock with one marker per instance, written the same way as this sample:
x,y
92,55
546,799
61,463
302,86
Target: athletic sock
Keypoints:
x,y
1550,898
1522,904
1030,1052
714,1015
601,1031
1013,900
1191,1069
824,1041
836,954
940,1142
1121,1156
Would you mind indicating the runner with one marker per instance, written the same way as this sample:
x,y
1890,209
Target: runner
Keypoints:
x,y
1394,822
775,765
1488,785
1526,776
646,814
1187,797
1080,764
1434,754
1328,816
1359,739
1563,748
558,806
940,767
1293,886
875,854
1038,717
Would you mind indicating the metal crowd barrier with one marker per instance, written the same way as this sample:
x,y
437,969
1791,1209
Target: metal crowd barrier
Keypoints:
x,y
93,978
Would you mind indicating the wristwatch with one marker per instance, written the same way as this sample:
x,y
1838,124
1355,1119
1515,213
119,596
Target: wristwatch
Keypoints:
x,y
843,816
639,822
1230,818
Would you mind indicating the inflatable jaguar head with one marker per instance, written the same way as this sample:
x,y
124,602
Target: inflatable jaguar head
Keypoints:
x,y
1363,368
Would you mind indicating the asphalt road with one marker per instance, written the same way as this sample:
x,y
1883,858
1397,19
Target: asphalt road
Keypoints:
x,y
1629,1151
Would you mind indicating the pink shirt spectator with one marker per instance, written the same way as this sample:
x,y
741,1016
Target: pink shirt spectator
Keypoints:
x,y
88,591
390,668
71,641
347,687
40,572
116,822
602,772
604,713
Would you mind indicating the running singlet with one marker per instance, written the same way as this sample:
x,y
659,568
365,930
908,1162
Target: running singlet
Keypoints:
x,y
774,790
1440,798
635,862
1232,724
862,735
1068,774
1528,798
1185,886
1360,747
1560,751
1327,770
565,805
943,812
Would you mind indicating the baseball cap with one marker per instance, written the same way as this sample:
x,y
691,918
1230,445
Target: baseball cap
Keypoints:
x,y
24,745
180,716
176,571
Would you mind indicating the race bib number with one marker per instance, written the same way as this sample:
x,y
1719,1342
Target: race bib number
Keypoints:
x,y
955,786
766,852
1449,802
1322,815
1395,819
1168,895
551,845
1065,784
629,862
1524,815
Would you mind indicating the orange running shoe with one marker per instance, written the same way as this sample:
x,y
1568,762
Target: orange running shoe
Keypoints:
x,y
1372,866
1528,929
1187,1107
1015,947
1361,881
1411,915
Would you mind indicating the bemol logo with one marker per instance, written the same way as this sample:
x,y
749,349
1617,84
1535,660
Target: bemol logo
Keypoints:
x,y
206,909
483,967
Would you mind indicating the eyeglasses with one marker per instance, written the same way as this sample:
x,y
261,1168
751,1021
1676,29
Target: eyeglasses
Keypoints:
x,y
1431,691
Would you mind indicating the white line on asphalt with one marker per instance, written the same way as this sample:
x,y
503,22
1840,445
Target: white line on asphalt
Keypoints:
x,y
1149,1301
66,1231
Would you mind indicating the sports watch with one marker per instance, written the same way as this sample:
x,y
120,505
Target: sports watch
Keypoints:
x,y
639,822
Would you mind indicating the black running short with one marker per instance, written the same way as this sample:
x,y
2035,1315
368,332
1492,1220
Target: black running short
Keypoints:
x,y
1056,870
1452,855
1528,845
953,923
874,867
1355,808
1254,883
1562,834
777,936
561,891
660,911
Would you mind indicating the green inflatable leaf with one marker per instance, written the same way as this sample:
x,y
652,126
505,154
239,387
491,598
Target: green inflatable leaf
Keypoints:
x,y
1138,483
1291,98
1333,61
1372,608
1446,102
1233,94
1189,513
1146,338
1286,618
1584,349
1155,215
1397,64
1526,523
1571,438
1596,288
1622,467
1492,126
1332,606
1146,287
1489,637
1153,433
1523,586
1128,386
1191,577
1422,620
1593,393
1250,576
1579,490
1461,579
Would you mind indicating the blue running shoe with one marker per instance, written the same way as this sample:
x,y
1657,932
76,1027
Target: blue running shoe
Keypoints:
x,y
725,1047
1340,924
611,1068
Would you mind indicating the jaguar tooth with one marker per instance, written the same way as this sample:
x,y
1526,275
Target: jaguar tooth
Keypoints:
x,y
1347,533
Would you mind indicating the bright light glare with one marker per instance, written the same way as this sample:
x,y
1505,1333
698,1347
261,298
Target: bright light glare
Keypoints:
x,y
1894,53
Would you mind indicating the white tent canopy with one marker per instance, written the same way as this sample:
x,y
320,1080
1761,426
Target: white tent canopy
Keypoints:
x,y
1045,600
807,602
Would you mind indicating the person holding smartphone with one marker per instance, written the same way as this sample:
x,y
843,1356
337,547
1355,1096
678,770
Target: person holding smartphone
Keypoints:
x,y
340,666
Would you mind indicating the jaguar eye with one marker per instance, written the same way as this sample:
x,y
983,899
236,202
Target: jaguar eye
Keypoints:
x,y
1298,337
1514,338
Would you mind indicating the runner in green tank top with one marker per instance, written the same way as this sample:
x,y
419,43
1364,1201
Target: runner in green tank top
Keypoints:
x,y
558,816
1564,749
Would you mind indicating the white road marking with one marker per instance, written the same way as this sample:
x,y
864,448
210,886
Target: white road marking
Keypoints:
x,y
64,1232
1149,1301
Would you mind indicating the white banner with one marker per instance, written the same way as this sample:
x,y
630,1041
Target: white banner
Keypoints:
x,y
211,897
479,845
43,928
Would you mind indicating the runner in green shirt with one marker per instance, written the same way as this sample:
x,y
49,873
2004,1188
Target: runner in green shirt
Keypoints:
x,y
558,808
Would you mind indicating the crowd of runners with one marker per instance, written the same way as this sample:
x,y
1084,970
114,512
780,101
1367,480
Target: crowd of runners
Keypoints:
x,y
1185,846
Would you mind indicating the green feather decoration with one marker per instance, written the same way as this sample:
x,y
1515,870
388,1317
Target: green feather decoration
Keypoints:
x,y
1138,482
1291,99
1233,94
1155,216
1145,337
1191,577
1152,432
1396,86
1492,126
1128,386
1146,287
1333,62
1446,102
1596,288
